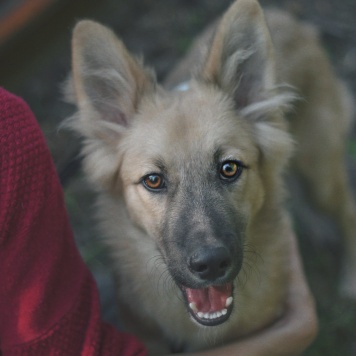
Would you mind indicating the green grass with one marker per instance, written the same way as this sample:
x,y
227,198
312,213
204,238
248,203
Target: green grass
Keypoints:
x,y
337,316
351,148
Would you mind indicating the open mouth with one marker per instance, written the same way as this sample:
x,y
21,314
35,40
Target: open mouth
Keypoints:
x,y
209,306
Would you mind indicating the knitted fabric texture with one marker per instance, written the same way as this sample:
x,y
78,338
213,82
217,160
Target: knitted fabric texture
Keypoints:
x,y
49,302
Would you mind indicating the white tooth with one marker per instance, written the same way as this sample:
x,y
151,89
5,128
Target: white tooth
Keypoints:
x,y
218,314
200,315
207,316
213,316
193,307
224,312
228,301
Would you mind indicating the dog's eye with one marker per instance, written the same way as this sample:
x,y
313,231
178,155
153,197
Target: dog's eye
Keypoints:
x,y
231,170
153,182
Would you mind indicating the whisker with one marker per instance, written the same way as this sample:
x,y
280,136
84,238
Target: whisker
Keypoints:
x,y
249,267
162,277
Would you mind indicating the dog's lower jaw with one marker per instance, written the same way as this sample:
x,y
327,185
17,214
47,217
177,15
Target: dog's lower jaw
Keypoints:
x,y
209,306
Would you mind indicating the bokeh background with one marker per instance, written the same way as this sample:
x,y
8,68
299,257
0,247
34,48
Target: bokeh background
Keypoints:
x,y
35,60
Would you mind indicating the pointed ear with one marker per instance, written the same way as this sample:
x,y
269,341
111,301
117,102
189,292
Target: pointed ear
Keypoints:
x,y
108,81
240,60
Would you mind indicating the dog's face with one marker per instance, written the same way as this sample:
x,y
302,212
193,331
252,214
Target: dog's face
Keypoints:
x,y
190,181
189,165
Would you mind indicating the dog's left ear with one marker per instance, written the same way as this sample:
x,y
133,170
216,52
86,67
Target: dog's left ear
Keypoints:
x,y
241,63
240,60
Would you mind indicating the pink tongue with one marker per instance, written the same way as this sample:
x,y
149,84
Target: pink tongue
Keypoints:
x,y
210,299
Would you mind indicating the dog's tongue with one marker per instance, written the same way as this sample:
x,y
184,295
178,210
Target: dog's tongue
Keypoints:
x,y
210,299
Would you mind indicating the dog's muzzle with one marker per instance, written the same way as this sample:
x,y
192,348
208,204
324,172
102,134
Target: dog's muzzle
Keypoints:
x,y
212,304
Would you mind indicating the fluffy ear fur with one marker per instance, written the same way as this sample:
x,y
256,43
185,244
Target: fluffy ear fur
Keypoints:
x,y
108,81
107,85
240,60
241,63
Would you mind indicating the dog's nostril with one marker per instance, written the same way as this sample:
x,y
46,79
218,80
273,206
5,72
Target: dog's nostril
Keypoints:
x,y
210,264
224,265
200,268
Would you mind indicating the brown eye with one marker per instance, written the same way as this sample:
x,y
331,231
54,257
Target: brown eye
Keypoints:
x,y
153,182
231,170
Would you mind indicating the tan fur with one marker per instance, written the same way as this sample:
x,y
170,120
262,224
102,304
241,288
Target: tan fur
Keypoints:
x,y
131,125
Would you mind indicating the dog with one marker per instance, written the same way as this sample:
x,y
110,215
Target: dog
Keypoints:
x,y
190,174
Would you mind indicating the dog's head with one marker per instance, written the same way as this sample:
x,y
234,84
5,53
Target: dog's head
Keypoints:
x,y
191,165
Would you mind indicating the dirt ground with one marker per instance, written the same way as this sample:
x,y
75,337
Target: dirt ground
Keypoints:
x,y
162,31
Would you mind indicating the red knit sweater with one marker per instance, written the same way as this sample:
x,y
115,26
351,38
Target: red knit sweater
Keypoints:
x,y
48,299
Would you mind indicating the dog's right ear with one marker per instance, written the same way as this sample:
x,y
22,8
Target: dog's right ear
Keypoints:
x,y
108,82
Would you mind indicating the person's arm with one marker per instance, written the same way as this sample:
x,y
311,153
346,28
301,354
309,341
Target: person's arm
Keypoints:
x,y
49,303
290,335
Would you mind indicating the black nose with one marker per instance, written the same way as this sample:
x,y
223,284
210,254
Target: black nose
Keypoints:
x,y
210,263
